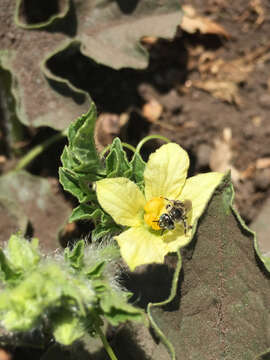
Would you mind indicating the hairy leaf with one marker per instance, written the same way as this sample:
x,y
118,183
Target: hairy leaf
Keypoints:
x,y
76,255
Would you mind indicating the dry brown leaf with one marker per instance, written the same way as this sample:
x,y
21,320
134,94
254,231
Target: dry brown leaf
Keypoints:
x,y
152,110
192,22
221,155
221,78
223,90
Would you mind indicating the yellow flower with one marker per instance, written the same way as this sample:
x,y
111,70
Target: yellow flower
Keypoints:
x,y
165,179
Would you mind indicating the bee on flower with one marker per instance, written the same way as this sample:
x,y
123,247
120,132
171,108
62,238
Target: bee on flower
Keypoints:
x,y
161,218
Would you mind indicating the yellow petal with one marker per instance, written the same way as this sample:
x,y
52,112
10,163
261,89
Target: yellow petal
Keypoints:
x,y
199,189
176,239
165,172
138,246
122,199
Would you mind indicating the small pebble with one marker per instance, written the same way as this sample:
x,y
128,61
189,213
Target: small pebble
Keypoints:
x,y
203,155
262,179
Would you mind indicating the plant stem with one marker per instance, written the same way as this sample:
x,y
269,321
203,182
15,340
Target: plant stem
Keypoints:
x,y
172,295
29,157
106,344
128,146
150,137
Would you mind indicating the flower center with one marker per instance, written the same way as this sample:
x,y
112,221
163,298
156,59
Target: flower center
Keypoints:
x,y
153,209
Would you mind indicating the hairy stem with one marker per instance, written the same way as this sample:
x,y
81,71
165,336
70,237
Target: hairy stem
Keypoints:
x,y
106,344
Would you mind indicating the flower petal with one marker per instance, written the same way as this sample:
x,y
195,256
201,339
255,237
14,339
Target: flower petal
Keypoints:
x,y
165,172
199,189
122,199
176,239
139,246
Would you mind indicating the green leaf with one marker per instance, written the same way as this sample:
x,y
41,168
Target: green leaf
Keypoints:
x,y
67,327
85,212
117,310
221,307
102,230
23,255
7,273
49,289
116,162
71,184
96,270
67,158
76,255
82,143
261,227
138,166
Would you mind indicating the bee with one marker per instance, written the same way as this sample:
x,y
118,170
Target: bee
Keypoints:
x,y
176,212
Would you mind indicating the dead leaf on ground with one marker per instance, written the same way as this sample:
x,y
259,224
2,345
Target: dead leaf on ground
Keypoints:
x,y
221,155
222,78
222,90
192,22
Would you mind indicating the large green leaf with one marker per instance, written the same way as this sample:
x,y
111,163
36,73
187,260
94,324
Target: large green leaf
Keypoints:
x,y
222,306
108,32
46,210
261,226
